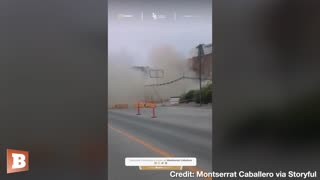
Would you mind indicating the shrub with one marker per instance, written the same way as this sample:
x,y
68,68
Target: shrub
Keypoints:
x,y
187,97
194,95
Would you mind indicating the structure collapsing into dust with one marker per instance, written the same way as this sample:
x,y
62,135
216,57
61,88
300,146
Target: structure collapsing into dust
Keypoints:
x,y
127,85
174,65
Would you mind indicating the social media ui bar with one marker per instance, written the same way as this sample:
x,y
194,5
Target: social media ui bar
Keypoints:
x,y
158,163
17,161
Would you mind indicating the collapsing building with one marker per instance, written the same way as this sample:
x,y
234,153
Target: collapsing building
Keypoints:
x,y
206,61
161,89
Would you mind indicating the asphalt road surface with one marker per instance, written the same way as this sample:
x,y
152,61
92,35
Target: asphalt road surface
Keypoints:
x,y
176,132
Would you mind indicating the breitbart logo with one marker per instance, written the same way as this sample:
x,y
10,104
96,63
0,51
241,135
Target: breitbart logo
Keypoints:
x,y
17,161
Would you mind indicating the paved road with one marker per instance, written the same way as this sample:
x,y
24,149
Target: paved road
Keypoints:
x,y
177,131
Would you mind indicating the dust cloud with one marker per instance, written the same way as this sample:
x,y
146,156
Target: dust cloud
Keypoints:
x,y
174,65
127,85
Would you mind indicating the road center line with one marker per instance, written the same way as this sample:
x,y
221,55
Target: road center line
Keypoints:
x,y
152,147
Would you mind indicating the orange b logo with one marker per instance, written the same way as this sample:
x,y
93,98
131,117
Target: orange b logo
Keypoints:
x,y
17,161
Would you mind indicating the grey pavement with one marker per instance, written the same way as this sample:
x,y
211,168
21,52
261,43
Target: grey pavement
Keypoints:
x,y
180,131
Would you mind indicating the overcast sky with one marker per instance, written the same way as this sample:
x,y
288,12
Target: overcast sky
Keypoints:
x,y
186,24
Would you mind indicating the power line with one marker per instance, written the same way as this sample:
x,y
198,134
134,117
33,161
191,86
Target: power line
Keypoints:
x,y
173,81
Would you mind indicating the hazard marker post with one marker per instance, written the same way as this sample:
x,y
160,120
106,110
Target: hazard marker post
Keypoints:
x,y
138,109
154,112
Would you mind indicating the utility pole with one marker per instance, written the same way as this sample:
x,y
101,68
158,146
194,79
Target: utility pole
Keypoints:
x,y
200,54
